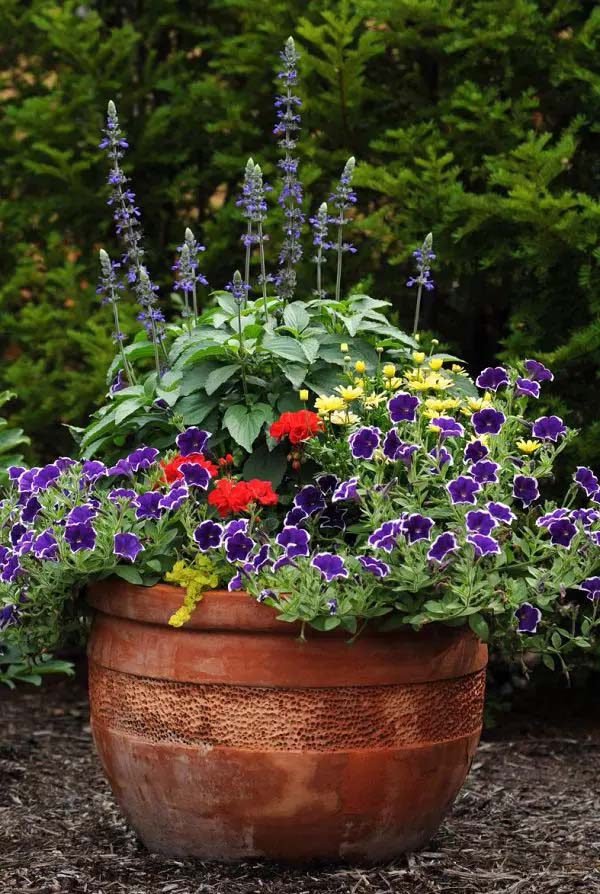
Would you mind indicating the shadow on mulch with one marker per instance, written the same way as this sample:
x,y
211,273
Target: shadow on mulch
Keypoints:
x,y
527,820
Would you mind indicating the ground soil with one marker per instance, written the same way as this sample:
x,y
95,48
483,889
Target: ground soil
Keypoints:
x,y
527,821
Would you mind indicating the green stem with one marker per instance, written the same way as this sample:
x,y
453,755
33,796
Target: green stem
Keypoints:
x,y
263,270
418,309
126,365
247,265
338,280
242,355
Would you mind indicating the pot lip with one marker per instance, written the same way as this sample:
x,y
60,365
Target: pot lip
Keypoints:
x,y
236,611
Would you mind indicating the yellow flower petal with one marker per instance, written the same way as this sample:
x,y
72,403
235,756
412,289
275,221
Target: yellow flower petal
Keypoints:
x,y
348,392
529,446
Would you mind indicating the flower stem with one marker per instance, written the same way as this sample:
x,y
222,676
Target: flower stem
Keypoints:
x,y
417,309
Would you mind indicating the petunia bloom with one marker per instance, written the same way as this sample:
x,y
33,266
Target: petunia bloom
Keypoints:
x,y
491,378
44,477
192,440
483,545
346,490
81,514
442,545
586,480
386,535
208,535
537,371
310,499
364,442
488,421
80,536
238,547
417,527
171,471
484,471
447,426
142,458
562,532
329,566
442,457
148,504
374,566
127,546
294,541
402,407
195,475
121,493
480,521
474,451
463,489
525,489
549,428
591,586
526,387
501,512
174,498
45,546
528,616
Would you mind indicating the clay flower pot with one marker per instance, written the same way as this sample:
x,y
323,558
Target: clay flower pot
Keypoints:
x,y
230,738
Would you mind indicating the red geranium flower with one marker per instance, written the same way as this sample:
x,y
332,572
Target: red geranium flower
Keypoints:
x,y
229,495
171,471
297,426
262,492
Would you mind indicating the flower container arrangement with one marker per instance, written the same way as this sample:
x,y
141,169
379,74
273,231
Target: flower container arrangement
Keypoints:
x,y
295,528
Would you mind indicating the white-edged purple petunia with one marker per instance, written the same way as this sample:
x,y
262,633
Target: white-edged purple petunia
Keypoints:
x,y
386,535
528,616
402,407
587,517
195,475
127,545
80,536
474,451
586,480
44,477
480,521
310,499
91,470
293,540
329,566
491,378
346,490
148,504
591,587
142,458
463,489
207,535
364,441
85,512
443,544
562,532
45,546
548,428
483,544
526,387
295,516
488,421
537,371
442,457
238,547
484,471
327,482
417,527
525,489
447,427
175,497
545,520
121,467
30,510
192,440
501,512
374,566
121,493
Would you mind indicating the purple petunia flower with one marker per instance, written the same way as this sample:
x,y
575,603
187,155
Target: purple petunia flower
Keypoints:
x,y
260,558
127,546
479,521
463,489
526,387
525,489
295,516
15,472
488,421
92,469
175,497
501,512
442,456
332,606
79,515
121,493
238,547
24,543
281,561
549,428
538,372
195,475
402,407
30,510
192,440
329,566
327,482
9,615
591,586
374,566
587,517
346,490
364,442
45,546
484,471
44,477
148,504
392,444
25,480
562,532
491,378
294,541
333,517
232,527
64,462
386,535
474,451
417,527
483,545
16,532
586,480
448,427
208,535
121,467
80,536
545,520
310,499
528,616
10,569
442,545
236,582
142,458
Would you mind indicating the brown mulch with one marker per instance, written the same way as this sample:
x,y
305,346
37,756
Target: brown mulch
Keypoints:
x,y
528,819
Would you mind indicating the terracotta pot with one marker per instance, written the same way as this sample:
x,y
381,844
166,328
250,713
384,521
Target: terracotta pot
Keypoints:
x,y
230,738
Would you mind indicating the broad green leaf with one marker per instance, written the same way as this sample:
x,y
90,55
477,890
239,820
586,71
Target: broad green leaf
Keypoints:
x,y
219,376
128,573
127,408
195,407
479,626
244,423
266,465
311,346
284,346
296,316
295,373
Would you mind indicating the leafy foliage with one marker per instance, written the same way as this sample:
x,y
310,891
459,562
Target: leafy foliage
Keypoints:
x,y
11,439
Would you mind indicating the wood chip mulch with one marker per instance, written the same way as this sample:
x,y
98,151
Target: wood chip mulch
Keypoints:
x,y
528,820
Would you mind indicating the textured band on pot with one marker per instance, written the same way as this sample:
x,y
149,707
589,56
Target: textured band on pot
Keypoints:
x,y
255,717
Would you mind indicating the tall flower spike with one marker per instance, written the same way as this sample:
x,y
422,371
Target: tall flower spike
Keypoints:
x,y
320,230
290,196
259,206
126,216
109,288
424,256
254,208
343,198
244,200
189,275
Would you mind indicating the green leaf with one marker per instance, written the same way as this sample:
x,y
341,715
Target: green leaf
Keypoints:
x,y
266,465
548,660
556,640
284,346
479,626
195,408
219,376
296,316
294,373
311,346
129,573
127,408
244,423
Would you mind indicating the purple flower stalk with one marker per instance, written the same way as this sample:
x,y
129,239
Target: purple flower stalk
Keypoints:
x,y
110,286
343,198
290,196
188,275
320,224
424,256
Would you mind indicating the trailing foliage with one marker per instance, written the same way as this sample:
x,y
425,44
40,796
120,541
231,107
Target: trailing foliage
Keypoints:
x,y
12,440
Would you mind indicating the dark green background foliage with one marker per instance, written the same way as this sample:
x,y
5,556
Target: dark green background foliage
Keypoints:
x,y
474,120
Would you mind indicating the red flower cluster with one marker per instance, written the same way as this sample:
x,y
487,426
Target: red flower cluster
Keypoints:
x,y
171,470
229,495
296,426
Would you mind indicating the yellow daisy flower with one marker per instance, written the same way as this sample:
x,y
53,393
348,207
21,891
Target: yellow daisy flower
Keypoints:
x,y
348,392
418,356
388,370
529,446
344,417
325,405
360,366
373,400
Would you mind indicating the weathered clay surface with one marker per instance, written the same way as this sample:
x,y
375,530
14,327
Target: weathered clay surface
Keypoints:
x,y
228,742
